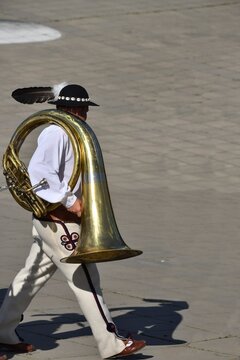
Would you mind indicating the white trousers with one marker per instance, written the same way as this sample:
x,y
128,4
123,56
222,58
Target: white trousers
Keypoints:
x,y
52,242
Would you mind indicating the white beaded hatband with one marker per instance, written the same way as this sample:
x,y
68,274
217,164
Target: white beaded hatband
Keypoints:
x,y
73,98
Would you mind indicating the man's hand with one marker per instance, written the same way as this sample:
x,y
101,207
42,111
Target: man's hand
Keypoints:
x,y
76,208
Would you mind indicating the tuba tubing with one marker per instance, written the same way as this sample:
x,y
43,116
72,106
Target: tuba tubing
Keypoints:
x,y
100,239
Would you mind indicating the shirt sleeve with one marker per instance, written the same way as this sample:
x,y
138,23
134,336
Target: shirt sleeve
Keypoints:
x,y
46,162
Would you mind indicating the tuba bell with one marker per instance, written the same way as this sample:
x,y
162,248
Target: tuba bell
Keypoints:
x,y
100,240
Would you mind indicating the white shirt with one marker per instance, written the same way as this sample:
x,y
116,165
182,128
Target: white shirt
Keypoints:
x,y
53,160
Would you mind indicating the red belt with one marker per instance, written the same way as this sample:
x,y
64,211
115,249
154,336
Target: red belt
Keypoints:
x,y
61,214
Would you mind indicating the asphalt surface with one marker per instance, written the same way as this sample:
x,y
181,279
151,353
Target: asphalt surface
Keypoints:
x,y
166,74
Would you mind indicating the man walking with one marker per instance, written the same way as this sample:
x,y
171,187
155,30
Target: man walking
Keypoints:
x,y
55,236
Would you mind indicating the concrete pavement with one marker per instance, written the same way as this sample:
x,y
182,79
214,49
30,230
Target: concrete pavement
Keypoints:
x,y
167,76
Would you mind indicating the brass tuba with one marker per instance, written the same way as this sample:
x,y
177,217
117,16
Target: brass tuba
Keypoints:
x,y
100,239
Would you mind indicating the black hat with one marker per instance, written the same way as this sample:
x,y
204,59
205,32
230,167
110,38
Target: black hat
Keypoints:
x,y
73,95
60,94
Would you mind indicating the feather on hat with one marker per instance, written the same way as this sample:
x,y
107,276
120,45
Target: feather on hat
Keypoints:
x,y
37,94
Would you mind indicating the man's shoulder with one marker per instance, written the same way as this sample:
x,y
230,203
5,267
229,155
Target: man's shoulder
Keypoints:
x,y
53,133
54,130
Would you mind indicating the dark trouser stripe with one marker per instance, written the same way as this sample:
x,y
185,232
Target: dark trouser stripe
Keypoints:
x,y
110,326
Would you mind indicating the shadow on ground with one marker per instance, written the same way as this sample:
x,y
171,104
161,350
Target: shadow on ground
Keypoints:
x,y
155,321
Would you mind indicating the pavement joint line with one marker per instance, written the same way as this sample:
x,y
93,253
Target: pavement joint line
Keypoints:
x,y
209,350
217,338
124,294
145,12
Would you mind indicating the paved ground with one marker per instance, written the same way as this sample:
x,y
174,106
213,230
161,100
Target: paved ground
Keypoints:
x,y
167,76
